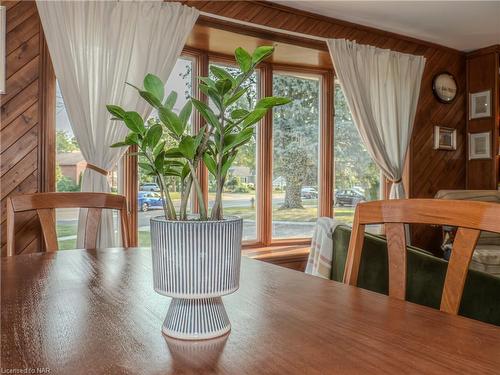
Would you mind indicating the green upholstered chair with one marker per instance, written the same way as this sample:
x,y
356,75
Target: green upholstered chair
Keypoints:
x,y
425,277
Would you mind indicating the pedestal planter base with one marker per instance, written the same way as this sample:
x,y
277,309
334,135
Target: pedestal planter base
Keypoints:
x,y
196,319
196,263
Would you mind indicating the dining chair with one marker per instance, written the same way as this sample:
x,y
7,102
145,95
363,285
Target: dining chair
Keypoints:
x,y
45,205
469,216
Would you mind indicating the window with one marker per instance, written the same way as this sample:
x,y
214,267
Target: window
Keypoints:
x,y
70,165
357,177
149,202
239,196
280,172
295,155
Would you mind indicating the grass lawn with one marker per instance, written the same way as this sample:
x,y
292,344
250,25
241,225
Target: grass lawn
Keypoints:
x,y
144,238
64,230
67,244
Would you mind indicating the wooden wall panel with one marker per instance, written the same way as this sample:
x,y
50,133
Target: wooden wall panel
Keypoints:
x,y
21,127
25,109
429,170
482,75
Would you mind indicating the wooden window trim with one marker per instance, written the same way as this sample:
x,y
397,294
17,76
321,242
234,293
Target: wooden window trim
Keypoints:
x,y
47,119
264,238
201,60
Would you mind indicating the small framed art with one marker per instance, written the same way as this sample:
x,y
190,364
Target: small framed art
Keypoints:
x,y
480,104
445,138
480,145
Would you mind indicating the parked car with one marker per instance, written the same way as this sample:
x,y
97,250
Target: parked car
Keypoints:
x,y
348,197
149,199
308,192
149,186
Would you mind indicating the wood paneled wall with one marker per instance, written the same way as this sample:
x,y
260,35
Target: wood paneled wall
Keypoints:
x,y
429,170
25,115
482,75
27,146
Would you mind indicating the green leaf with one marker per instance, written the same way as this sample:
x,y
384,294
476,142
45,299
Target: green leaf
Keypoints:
x,y
132,139
236,140
209,82
116,111
223,86
239,113
199,136
235,97
158,148
210,163
222,74
171,121
261,53
185,114
212,94
150,98
244,59
170,101
188,147
206,113
155,86
227,164
173,153
272,101
153,135
185,171
134,122
159,161
147,167
118,144
171,172
254,117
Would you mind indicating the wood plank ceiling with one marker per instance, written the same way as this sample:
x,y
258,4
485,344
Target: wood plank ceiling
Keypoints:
x,y
20,132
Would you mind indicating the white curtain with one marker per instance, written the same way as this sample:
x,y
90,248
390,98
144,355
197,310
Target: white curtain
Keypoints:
x,y
382,88
97,46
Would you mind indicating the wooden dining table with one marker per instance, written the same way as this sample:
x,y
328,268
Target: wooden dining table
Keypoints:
x,y
95,312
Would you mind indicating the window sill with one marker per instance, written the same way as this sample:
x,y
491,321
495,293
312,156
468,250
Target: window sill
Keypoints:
x,y
294,257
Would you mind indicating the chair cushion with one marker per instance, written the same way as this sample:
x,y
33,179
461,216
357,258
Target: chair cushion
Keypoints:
x,y
425,277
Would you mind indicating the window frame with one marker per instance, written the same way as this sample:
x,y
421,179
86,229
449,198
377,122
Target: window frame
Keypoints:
x,y
201,60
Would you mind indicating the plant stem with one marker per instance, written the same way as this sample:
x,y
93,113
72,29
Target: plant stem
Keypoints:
x,y
185,198
167,202
201,201
168,206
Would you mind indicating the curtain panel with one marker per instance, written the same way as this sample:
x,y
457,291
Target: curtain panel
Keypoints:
x,y
382,88
97,46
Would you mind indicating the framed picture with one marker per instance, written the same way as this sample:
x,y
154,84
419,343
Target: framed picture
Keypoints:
x,y
480,145
480,104
445,138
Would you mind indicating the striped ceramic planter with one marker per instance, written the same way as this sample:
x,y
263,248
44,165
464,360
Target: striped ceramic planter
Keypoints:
x,y
196,262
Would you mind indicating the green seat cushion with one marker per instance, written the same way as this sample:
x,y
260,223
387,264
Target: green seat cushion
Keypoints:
x,y
425,277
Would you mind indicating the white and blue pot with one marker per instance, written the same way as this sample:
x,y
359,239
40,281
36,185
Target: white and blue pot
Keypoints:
x,y
196,263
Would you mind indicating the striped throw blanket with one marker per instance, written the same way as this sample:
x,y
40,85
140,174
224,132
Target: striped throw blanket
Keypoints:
x,y
321,254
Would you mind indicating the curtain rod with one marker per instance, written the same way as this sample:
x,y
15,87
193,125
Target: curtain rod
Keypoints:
x,y
262,27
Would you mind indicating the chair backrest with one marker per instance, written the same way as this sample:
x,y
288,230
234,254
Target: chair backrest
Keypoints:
x,y
45,205
469,216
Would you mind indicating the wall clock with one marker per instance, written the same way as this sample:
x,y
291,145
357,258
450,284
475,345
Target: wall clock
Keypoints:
x,y
444,87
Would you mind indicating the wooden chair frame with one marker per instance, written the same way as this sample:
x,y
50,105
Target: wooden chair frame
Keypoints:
x,y
469,216
45,205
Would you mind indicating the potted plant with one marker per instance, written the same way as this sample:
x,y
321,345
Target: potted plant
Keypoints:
x,y
196,258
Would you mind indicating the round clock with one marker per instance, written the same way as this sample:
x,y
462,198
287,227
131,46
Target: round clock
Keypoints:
x,y
444,87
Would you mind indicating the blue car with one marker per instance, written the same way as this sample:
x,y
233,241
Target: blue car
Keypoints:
x,y
149,199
